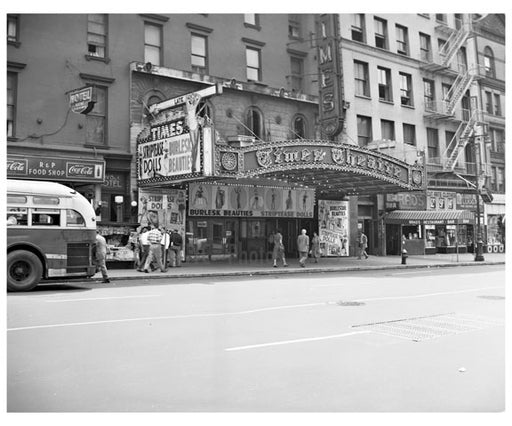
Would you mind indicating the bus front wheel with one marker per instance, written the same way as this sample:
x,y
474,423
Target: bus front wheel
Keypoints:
x,y
24,270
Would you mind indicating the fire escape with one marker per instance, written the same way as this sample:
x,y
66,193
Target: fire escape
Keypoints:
x,y
445,171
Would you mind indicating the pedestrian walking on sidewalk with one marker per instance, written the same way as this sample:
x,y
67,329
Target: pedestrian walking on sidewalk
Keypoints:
x,y
101,256
155,250
363,244
303,247
278,252
315,247
175,248
143,248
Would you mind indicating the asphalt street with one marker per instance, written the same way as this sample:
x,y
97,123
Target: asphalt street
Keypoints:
x,y
357,341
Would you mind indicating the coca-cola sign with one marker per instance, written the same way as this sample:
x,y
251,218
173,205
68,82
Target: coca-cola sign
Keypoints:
x,y
16,167
55,169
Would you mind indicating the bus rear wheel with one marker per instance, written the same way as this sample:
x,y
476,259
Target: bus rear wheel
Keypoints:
x,y
24,270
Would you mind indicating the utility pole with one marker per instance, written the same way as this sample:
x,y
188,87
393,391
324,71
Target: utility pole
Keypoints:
x,y
479,257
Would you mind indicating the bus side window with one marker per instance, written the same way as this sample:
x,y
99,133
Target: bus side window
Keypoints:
x,y
45,219
74,218
17,216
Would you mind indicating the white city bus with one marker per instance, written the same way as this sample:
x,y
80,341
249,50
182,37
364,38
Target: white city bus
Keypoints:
x,y
51,232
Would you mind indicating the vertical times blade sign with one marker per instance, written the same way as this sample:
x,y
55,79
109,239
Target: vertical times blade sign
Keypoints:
x,y
331,106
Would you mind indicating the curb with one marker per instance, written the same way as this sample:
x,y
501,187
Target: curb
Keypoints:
x,y
289,271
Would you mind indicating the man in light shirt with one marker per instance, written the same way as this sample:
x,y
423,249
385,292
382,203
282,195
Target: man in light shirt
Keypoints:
x,y
143,248
155,250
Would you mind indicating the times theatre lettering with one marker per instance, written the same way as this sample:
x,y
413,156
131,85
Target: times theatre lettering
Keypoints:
x,y
344,157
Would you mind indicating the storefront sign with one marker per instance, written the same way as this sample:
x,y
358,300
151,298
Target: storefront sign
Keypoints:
x,y
249,201
333,225
55,169
406,201
81,101
466,201
330,75
441,200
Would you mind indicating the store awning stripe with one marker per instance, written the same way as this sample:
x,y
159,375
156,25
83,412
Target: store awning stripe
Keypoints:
x,y
429,215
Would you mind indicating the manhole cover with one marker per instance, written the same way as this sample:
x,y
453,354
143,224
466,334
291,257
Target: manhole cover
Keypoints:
x,y
349,303
424,328
492,297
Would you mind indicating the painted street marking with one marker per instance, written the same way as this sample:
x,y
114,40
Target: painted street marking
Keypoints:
x,y
288,342
166,317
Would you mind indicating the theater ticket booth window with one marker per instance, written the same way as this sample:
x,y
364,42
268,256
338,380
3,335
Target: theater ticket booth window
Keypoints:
x,y
211,238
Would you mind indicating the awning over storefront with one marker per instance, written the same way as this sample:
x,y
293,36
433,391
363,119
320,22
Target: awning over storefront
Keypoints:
x,y
430,217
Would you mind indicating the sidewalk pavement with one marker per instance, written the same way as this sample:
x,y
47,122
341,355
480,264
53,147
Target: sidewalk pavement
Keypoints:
x,y
220,268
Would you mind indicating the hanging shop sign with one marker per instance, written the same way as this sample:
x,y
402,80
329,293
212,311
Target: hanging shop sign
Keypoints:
x,y
333,226
81,101
330,73
55,169
250,201
178,143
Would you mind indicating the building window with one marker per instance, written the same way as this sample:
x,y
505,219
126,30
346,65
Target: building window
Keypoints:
x,y
497,137
12,28
409,134
251,19
500,179
297,73
497,105
362,87
364,130
385,84
494,186
429,94
199,56
425,48
432,145
96,120
406,89
254,123
488,102
299,127
462,59
490,70
97,35
441,17
294,26
152,43
381,33
402,41
387,129
12,83
253,57
449,137
358,31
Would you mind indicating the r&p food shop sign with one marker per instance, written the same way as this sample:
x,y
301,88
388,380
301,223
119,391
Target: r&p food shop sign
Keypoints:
x,y
55,169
